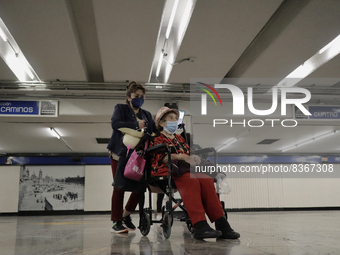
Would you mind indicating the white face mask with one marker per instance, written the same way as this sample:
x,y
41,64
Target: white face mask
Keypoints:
x,y
171,127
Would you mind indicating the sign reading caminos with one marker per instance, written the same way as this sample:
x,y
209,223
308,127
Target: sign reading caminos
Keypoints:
x,y
15,108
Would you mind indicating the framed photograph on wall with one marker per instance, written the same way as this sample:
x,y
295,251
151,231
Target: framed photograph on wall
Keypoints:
x,y
51,188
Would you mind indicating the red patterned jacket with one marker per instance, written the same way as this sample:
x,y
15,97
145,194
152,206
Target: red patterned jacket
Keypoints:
x,y
177,145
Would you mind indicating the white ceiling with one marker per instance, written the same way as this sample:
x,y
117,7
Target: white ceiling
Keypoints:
x,y
86,50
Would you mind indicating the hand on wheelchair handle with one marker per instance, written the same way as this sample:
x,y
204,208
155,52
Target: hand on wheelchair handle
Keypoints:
x,y
197,160
140,153
142,124
194,161
180,126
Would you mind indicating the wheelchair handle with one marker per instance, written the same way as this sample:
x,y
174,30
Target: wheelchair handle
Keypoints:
x,y
205,150
156,148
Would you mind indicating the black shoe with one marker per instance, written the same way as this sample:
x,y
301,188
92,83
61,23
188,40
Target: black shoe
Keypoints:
x,y
203,230
128,223
118,228
211,233
227,232
230,235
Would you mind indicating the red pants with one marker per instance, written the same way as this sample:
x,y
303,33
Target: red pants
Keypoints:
x,y
199,197
118,198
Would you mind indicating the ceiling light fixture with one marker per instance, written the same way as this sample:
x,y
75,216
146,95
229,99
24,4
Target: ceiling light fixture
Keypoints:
x,y
13,56
324,55
157,86
172,17
174,22
57,135
2,35
335,43
233,140
310,140
160,60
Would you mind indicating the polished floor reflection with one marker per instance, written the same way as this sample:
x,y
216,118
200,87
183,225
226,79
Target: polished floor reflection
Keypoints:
x,y
312,232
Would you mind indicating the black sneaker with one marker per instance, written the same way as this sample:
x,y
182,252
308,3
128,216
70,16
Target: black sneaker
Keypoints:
x,y
128,223
118,228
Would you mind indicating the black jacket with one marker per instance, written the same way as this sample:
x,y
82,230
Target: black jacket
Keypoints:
x,y
124,117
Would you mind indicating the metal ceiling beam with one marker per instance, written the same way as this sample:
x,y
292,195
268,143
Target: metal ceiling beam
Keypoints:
x,y
281,18
84,26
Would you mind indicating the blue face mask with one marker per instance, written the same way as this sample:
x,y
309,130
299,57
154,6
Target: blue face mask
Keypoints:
x,y
171,127
137,102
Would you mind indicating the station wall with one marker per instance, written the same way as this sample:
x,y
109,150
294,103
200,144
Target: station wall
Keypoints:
x,y
245,192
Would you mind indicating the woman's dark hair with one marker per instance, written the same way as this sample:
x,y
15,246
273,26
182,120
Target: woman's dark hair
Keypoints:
x,y
132,88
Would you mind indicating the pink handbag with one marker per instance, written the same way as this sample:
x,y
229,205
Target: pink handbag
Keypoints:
x,y
134,168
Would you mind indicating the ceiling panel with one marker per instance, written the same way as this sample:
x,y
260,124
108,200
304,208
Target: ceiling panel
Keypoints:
x,y
247,144
127,33
315,26
218,33
43,31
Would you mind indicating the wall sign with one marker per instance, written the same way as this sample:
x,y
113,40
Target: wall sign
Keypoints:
x,y
45,108
320,113
324,112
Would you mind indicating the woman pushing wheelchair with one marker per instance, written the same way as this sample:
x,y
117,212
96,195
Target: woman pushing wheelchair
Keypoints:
x,y
197,190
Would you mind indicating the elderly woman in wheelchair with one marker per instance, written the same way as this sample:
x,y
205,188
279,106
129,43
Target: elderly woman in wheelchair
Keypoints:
x,y
197,190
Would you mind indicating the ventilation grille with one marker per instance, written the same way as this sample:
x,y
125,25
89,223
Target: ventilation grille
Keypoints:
x,y
103,140
268,141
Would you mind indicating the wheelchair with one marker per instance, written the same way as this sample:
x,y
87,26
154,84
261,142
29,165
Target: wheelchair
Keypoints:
x,y
165,184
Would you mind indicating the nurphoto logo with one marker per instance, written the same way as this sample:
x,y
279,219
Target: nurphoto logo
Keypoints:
x,y
239,104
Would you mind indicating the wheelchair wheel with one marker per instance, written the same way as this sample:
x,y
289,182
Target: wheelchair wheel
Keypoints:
x,y
166,224
163,212
145,224
190,226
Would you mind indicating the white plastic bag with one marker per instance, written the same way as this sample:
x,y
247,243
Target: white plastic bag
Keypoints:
x,y
222,185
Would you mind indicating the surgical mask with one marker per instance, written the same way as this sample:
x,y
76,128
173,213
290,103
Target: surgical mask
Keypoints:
x,y
171,127
137,102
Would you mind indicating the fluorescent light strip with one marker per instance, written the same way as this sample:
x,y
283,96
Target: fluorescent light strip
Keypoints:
x,y
56,134
16,66
233,140
174,22
310,140
25,67
172,17
334,43
185,21
182,27
2,35
61,140
160,60
324,55
13,57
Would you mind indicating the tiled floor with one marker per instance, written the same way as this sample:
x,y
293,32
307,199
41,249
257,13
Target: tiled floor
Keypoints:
x,y
282,233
